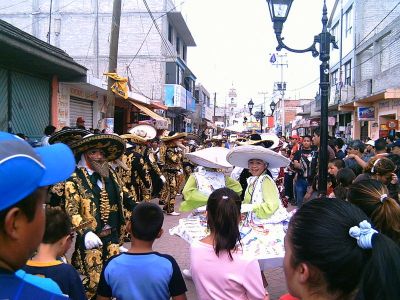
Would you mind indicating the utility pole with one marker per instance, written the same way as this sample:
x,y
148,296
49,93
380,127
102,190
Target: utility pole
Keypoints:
x,y
96,45
49,32
112,62
225,115
215,104
282,88
265,93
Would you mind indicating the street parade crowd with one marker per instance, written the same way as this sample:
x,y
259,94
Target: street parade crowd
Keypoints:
x,y
254,204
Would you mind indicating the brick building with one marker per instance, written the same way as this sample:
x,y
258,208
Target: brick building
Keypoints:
x,y
153,50
365,73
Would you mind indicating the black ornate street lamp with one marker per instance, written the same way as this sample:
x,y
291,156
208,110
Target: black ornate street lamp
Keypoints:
x,y
272,106
251,105
279,10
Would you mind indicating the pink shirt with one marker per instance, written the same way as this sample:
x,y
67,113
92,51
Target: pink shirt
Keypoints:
x,y
219,278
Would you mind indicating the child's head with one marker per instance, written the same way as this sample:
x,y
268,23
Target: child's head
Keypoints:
x,y
58,229
25,173
373,198
345,177
334,166
146,221
381,168
223,217
330,252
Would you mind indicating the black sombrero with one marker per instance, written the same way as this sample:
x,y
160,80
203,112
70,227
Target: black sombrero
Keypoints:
x,y
133,138
192,136
173,136
68,136
112,145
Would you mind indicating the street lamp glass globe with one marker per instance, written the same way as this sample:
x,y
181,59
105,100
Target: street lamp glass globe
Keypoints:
x,y
251,104
272,106
279,9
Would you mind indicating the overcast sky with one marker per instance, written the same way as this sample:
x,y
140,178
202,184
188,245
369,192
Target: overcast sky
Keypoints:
x,y
235,39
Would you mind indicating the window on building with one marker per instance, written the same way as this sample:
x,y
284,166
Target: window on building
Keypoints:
x,y
179,75
335,32
184,52
170,30
334,77
348,17
347,73
178,45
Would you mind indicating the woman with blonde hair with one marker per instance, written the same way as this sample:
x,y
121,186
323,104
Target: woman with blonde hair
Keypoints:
x,y
372,197
382,169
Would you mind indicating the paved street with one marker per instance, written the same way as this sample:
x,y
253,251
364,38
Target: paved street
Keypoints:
x,y
179,249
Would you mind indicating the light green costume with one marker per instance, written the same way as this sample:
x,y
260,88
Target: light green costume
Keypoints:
x,y
196,194
263,194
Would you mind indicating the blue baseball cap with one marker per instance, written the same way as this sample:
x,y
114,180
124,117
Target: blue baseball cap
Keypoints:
x,y
395,144
24,169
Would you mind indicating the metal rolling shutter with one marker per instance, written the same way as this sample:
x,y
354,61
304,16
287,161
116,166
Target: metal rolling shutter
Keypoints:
x,y
3,100
81,108
30,104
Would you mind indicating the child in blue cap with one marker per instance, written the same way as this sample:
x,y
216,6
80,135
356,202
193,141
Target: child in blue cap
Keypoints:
x,y
25,173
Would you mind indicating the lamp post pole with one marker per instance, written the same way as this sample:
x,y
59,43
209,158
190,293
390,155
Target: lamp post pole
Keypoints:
x,y
279,10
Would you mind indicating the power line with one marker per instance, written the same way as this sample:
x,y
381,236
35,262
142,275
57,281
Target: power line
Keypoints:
x,y
5,7
308,84
141,45
159,31
162,15
304,86
91,40
58,10
369,58
377,25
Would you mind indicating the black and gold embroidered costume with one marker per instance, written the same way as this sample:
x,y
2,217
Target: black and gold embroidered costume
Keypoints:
x,y
103,209
171,157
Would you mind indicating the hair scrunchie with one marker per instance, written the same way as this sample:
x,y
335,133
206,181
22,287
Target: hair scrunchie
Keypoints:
x,y
363,234
373,167
384,197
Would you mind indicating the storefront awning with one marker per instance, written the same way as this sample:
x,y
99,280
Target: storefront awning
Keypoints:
x,y
157,105
148,112
160,122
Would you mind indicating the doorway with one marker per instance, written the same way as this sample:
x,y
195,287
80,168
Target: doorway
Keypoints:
x,y
119,120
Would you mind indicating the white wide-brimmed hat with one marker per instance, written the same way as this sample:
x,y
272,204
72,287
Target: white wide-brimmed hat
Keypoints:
x,y
213,157
267,140
144,131
240,156
271,137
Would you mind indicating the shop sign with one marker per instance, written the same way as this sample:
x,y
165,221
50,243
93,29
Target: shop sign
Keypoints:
x,y
63,111
392,124
395,102
175,95
366,113
109,125
384,104
383,127
90,95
